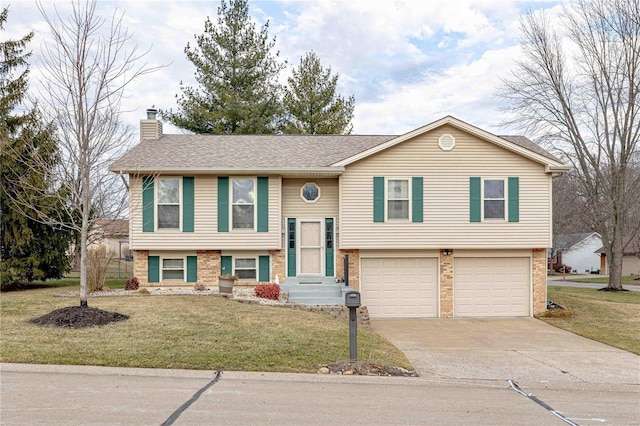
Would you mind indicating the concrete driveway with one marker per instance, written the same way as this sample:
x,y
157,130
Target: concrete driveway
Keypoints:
x,y
590,382
521,349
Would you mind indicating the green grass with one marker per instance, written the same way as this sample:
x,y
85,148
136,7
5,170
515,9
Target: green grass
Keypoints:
x,y
606,316
626,280
190,332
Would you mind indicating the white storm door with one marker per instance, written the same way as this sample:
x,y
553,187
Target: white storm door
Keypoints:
x,y
310,247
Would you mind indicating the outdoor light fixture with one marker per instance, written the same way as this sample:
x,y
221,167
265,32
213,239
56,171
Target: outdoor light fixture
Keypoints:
x,y
447,252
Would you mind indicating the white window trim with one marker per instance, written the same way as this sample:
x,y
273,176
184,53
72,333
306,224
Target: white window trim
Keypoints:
x,y
255,203
184,269
157,202
386,199
310,201
257,268
505,182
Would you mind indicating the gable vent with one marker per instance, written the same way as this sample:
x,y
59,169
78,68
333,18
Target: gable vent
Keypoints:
x,y
446,142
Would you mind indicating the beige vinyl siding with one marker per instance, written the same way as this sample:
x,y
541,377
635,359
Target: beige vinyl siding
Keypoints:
x,y
446,196
294,206
205,235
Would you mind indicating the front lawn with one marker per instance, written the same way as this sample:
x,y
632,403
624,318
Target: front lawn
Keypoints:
x,y
626,280
606,316
190,332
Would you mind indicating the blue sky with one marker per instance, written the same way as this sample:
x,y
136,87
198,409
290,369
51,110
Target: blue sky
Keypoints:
x,y
406,62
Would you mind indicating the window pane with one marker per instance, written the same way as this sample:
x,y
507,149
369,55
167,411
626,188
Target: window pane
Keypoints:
x,y
398,189
172,263
243,216
245,263
173,274
494,209
246,274
310,192
243,191
168,191
494,188
398,209
168,217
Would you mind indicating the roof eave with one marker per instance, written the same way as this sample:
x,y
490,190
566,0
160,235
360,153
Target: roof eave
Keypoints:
x,y
331,171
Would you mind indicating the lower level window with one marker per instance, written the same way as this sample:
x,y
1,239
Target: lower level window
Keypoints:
x,y
246,269
172,269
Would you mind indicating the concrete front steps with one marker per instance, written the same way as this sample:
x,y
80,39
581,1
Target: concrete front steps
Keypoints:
x,y
315,290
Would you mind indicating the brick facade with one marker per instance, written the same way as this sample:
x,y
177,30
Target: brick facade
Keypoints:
x,y
539,277
446,285
208,267
354,266
277,265
141,266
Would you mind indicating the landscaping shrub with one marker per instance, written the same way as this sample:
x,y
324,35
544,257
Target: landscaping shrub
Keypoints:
x,y
132,284
97,264
268,291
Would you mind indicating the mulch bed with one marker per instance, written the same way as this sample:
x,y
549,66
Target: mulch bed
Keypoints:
x,y
78,317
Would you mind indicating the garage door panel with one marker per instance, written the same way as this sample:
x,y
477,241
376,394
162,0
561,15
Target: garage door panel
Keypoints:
x,y
400,287
491,287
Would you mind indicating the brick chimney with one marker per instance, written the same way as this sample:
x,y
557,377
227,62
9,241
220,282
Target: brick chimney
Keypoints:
x,y
151,128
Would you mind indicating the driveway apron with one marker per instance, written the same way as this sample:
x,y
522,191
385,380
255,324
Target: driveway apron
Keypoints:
x,y
521,349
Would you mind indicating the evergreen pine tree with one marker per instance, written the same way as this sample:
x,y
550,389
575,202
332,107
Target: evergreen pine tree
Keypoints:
x,y
237,73
311,104
29,250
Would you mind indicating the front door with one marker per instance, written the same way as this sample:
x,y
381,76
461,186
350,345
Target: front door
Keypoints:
x,y
310,247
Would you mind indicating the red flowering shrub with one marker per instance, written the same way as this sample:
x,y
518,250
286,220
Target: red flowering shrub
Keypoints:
x,y
268,291
132,284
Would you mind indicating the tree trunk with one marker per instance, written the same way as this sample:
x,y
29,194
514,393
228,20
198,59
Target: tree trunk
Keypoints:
x,y
615,266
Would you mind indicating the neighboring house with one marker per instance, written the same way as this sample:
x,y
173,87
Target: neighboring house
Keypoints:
x,y
630,259
447,220
113,234
577,251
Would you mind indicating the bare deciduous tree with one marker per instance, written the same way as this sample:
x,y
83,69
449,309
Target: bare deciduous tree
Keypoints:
x,y
577,91
87,66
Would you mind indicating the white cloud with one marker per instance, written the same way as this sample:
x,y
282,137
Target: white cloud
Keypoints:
x,y
407,61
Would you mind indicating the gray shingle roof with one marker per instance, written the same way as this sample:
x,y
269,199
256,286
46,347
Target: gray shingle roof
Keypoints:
x,y
245,151
525,142
252,152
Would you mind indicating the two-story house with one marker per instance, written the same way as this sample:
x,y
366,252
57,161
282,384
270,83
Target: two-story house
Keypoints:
x,y
447,220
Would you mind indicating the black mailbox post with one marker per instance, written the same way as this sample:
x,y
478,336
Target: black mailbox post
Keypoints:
x,y
352,301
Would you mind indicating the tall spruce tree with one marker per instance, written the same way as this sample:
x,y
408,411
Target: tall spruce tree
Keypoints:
x,y
311,104
29,250
237,71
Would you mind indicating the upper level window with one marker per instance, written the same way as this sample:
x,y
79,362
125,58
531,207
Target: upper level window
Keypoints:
x,y
494,199
310,192
243,204
168,203
398,198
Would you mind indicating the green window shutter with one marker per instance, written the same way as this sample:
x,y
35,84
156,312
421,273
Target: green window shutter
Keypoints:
x,y
417,203
226,265
223,205
514,199
475,199
291,247
263,204
378,199
263,269
148,205
192,269
153,267
188,204
329,247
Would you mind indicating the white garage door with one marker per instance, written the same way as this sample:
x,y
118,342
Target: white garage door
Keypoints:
x,y
400,287
491,287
